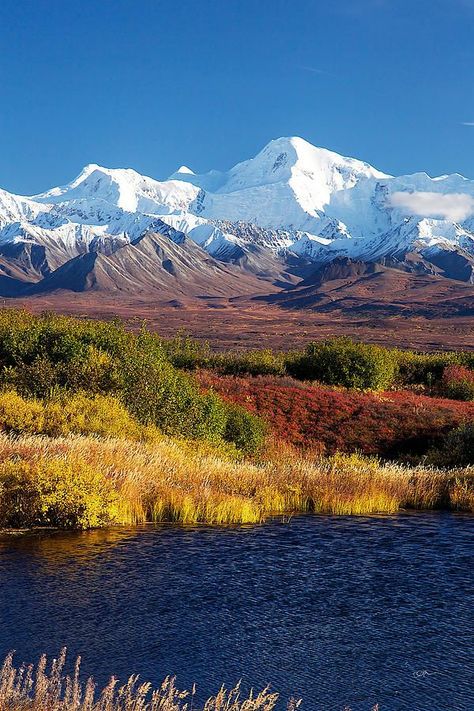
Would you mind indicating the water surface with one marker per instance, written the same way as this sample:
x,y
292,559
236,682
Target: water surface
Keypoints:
x,y
337,610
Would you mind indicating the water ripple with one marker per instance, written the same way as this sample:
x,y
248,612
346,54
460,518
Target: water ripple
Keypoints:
x,y
338,610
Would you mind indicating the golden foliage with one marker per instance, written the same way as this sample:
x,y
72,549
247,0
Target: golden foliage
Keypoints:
x,y
55,491
77,413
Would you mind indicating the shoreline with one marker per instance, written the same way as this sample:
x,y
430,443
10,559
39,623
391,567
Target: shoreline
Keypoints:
x,y
284,518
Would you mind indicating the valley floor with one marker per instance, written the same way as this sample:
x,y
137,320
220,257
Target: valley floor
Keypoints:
x,y
243,323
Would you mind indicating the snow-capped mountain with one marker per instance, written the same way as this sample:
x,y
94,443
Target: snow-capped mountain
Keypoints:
x,y
275,216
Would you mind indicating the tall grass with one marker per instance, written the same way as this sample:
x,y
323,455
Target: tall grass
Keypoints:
x,y
35,688
173,481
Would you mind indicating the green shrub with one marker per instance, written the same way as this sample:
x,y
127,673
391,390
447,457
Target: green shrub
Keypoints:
x,y
54,492
261,362
423,368
187,353
244,430
345,363
25,338
36,379
456,449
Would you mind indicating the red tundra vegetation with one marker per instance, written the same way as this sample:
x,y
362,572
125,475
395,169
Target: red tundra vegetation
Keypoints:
x,y
388,424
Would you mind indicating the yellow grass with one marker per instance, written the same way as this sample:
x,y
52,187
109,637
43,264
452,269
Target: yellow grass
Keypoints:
x,y
165,480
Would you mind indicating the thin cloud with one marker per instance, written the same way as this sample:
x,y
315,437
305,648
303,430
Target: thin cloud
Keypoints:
x,y
451,206
316,70
467,123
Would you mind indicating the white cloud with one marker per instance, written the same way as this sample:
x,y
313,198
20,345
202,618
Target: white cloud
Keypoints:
x,y
467,123
451,206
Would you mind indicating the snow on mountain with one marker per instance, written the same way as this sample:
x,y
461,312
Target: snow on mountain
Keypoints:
x,y
292,198
124,188
15,207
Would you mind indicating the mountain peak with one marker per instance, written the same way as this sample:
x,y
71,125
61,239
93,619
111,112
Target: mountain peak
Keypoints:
x,y
184,169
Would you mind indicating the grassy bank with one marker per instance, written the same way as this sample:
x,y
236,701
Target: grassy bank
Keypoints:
x,y
81,482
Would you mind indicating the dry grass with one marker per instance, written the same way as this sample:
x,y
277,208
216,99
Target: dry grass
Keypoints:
x,y
34,688
166,480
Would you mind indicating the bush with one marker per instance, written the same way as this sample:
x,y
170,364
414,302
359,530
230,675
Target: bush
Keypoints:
x,y
185,352
423,368
244,430
262,362
80,413
96,372
156,393
25,338
457,383
98,415
20,416
51,357
54,492
342,362
456,449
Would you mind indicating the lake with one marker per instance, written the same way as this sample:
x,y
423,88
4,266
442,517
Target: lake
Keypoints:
x,y
338,610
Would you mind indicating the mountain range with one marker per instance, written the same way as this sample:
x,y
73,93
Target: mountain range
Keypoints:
x,y
277,226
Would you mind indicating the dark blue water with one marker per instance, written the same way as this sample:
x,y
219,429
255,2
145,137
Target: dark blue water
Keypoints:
x,y
337,610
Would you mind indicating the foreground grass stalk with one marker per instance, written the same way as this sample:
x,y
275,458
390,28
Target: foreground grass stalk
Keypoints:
x,y
34,688
86,481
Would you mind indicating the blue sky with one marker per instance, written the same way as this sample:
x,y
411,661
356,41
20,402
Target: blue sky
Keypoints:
x,y
153,84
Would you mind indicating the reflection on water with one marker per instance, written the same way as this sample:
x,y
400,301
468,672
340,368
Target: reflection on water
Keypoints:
x,y
337,610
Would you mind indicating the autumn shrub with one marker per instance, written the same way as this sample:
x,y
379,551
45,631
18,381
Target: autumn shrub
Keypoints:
x,y
77,413
457,383
57,491
56,356
343,362
392,425
82,413
20,416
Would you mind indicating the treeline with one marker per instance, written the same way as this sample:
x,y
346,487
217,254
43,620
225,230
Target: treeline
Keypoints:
x,y
339,362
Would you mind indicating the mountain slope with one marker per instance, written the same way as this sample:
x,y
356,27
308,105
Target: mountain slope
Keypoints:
x,y
153,265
